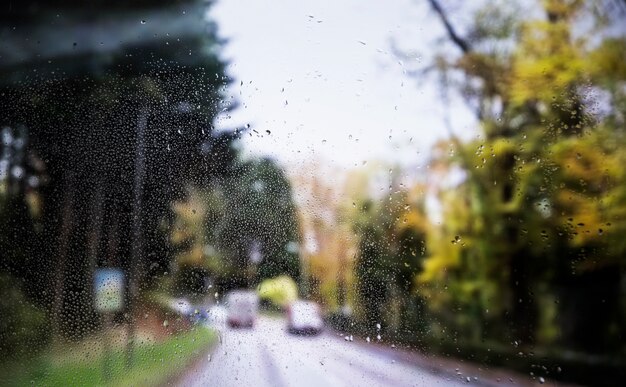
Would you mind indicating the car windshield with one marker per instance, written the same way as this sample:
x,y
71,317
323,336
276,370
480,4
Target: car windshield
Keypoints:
x,y
312,192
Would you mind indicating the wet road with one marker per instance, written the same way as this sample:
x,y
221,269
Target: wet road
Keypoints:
x,y
269,356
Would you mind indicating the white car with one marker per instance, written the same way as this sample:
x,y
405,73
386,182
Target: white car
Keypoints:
x,y
181,306
304,317
216,316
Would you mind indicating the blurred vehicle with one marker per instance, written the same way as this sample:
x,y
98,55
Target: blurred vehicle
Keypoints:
x,y
217,315
304,317
181,306
198,316
242,307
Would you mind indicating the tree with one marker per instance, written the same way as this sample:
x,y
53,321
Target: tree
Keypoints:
x,y
260,230
121,131
325,209
391,234
536,195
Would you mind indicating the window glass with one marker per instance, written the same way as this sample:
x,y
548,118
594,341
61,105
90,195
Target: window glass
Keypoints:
x,y
292,193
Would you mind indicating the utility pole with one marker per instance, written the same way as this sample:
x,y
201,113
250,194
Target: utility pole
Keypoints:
x,y
66,228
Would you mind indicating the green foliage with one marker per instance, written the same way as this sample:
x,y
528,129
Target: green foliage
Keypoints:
x,y
540,211
261,215
391,248
527,246
218,228
23,327
113,138
154,363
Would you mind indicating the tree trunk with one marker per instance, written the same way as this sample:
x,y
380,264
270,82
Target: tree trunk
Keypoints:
x,y
135,271
67,225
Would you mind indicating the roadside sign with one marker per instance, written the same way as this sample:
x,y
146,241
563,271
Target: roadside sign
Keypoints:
x,y
108,289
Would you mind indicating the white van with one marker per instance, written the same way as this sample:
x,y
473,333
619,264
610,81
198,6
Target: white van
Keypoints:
x,y
242,307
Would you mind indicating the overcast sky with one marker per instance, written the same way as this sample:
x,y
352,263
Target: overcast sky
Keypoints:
x,y
322,78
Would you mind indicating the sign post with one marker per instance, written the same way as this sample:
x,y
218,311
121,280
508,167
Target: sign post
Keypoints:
x,y
108,284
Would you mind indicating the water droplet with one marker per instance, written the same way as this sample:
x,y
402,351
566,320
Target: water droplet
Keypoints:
x,y
143,22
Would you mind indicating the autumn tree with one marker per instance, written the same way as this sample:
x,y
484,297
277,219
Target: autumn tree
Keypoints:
x,y
541,206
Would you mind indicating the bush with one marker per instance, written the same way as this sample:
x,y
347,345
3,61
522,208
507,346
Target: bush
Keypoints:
x,y
22,325
280,291
343,323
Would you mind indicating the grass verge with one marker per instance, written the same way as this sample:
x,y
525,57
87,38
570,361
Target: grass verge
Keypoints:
x,y
153,364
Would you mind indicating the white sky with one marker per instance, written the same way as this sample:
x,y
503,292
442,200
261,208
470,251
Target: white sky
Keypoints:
x,y
346,97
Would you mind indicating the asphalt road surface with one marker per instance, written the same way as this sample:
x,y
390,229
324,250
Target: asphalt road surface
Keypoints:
x,y
269,356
